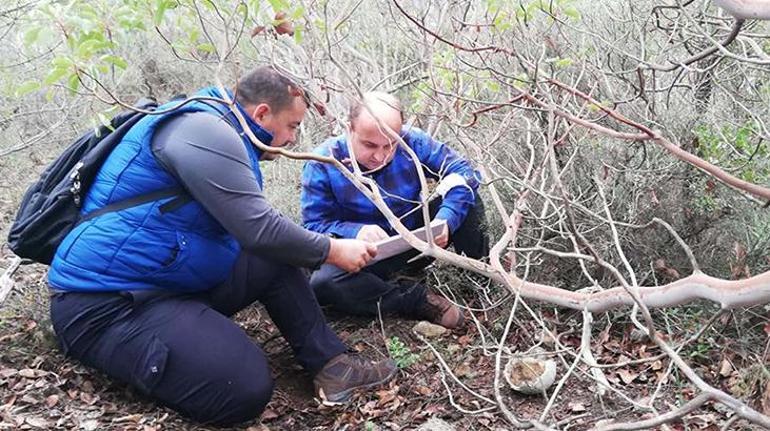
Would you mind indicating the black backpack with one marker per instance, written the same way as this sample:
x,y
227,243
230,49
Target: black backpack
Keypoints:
x,y
50,208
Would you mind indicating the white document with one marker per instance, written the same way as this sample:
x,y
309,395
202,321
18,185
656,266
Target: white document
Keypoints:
x,y
394,245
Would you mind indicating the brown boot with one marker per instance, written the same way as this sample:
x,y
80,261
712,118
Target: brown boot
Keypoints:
x,y
345,372
440,311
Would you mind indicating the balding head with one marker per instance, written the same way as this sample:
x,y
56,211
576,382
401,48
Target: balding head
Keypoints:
x,y
372,146
384,106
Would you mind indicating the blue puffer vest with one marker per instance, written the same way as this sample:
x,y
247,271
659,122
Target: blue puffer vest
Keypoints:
x,y
141,248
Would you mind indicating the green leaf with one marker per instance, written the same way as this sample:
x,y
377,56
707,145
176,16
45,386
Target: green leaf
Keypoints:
x,y
62,62
297,13
521,82
73,83
206,47
115,60
88,11
572,12
502,22
563,63
161,6
279,5
90,46
104,120
299,31
55,75
27,87
31,36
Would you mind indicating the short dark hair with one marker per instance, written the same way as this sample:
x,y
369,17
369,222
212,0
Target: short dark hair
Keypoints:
x,y
266,85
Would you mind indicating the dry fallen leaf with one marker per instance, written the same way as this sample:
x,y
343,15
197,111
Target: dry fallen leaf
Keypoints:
x,y
385,396
52,400
269,414
88,398
37,423
8,372
726,368
89,425
464,340
130,418
29,399
27,373
463,370
423,390
627,376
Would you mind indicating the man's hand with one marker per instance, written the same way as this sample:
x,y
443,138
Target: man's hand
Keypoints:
x,y
371,233
350,254
442,239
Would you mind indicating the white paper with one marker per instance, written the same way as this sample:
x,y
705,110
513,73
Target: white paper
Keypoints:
x,y
394,245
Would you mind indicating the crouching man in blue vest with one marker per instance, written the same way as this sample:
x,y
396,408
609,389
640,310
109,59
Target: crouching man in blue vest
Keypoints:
x,y
331,204
144,294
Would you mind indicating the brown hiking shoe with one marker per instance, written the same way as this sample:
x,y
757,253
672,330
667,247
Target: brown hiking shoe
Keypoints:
x,y
440,311
345,372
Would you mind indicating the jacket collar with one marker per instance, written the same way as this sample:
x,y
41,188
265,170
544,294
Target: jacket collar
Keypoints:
x,y
263,135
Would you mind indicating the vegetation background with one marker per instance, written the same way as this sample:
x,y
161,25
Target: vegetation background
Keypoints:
x,y
63,65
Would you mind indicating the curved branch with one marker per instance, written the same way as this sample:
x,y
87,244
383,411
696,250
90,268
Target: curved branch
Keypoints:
x,y
736,28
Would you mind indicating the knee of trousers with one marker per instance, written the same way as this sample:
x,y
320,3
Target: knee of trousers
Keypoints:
x,y
246,400
322,280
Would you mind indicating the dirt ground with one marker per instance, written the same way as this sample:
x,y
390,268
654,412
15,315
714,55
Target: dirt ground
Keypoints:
x,y
41,389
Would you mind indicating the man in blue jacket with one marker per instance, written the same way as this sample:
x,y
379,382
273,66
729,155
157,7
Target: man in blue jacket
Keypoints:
x,y
144,294
332,205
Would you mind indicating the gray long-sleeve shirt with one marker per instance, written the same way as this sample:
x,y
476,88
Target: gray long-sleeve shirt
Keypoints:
x,y
206,155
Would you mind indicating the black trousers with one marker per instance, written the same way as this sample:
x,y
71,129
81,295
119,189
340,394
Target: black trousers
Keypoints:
x,y
184,351
374,288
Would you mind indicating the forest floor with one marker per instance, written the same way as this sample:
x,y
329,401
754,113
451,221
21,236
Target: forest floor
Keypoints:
x,y
41,389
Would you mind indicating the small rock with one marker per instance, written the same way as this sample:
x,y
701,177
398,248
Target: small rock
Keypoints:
x,y
436,424
427,329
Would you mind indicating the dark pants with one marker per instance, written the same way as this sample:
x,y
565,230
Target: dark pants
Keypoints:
x,y
373,289
183,350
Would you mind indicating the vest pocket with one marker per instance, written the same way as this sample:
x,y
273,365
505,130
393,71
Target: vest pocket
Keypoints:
x,y
147,253
175,255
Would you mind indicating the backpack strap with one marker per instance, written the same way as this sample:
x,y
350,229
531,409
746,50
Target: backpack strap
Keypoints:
x,y
182,196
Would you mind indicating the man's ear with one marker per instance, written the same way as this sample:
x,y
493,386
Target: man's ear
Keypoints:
x,y
260,111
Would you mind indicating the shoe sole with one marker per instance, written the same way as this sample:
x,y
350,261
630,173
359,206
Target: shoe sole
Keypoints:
x,y
344,397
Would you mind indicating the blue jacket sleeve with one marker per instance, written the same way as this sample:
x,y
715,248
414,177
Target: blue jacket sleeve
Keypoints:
x,y
444,164
320,210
